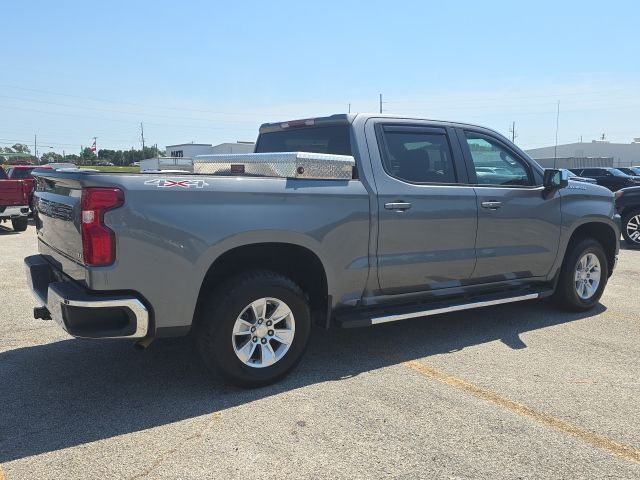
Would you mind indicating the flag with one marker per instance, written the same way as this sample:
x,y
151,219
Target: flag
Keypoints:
x,y
93,146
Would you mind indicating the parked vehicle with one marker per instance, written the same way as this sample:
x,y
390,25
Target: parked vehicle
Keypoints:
x,y
14,202
24,173
383,219
612,178
574,177
628,206
59,165
633,171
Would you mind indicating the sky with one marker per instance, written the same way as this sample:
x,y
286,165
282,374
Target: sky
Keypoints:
x,y
210,72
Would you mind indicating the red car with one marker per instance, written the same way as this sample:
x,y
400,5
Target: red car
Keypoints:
x,y
23,172
14,201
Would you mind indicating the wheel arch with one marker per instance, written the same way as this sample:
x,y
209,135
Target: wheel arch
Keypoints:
x,y
295,261
604,233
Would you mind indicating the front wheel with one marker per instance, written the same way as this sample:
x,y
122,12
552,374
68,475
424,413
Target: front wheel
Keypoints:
x,y
631,228
583,276
254,329
20,224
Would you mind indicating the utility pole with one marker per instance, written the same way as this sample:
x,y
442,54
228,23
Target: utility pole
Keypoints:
x,y
349,109
142,136
35,145
512,130
380,103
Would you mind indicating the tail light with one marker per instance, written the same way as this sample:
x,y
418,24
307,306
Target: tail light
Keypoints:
x,y
98,241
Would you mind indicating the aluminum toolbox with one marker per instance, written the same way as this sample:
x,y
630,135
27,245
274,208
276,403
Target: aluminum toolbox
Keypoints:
x,y
281,164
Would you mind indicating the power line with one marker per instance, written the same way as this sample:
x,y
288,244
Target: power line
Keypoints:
x,y
129,122
135,104
107,110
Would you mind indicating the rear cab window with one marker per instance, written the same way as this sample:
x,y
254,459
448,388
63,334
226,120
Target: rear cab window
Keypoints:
x,y
21,173
332,139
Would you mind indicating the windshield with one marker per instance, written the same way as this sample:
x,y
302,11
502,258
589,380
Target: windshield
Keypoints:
x,y
333,140
629,171
617,173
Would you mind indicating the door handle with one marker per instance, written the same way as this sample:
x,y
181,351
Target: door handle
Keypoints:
x,y
491,205
397,206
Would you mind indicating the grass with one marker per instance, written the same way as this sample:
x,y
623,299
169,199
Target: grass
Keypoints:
x,y
114,169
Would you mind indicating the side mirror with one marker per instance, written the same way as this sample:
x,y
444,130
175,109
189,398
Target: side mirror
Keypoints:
x,y
555,179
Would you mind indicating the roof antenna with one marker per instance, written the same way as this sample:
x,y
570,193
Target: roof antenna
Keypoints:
x,y
555,148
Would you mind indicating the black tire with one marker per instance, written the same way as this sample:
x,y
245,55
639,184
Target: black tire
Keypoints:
x,y
566,295
217,316
634,218
20,224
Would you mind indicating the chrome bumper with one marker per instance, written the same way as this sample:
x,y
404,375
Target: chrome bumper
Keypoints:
x,y
84,313
19,211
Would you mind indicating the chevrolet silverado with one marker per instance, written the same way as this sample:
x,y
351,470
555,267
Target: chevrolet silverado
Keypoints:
x,y
347,220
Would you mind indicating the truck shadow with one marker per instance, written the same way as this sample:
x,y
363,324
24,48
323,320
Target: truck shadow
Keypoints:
x,y
7,230
71,392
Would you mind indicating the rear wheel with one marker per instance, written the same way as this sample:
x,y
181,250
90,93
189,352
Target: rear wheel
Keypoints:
x,y
631,228
583,276
19,224
254,329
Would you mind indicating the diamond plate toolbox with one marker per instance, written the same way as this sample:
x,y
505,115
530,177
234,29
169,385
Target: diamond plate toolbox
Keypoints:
x,y
283,164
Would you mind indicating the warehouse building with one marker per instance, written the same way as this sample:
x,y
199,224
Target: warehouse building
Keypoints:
x,y
598,153
190,150
575,162
180,157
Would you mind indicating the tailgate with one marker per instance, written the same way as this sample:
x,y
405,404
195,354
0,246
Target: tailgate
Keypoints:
x,y
12,193
58,215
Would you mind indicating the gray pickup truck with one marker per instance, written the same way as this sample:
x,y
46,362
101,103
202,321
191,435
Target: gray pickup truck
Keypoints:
x,y
383,219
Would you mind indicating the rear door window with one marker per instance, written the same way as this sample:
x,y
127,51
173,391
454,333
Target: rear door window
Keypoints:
x,y
418,156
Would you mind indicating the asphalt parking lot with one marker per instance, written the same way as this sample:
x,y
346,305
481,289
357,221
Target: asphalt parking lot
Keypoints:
x,y
515,391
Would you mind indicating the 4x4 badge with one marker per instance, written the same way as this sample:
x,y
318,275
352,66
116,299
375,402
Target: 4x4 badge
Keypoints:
x,y
168,183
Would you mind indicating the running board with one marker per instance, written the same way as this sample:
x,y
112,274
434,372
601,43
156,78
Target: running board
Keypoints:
x,y
393,314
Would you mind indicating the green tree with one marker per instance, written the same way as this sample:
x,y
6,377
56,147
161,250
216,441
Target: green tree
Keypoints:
x,y
21,148
71,158
51,157
88,157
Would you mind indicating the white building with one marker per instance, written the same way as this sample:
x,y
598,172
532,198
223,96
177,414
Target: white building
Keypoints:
x,y
623,154
190,150
180,157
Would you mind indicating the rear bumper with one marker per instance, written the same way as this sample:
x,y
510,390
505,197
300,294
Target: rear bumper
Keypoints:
x,y
13,212
85,313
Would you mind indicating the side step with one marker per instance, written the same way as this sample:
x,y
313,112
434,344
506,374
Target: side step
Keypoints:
x,y
365,318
